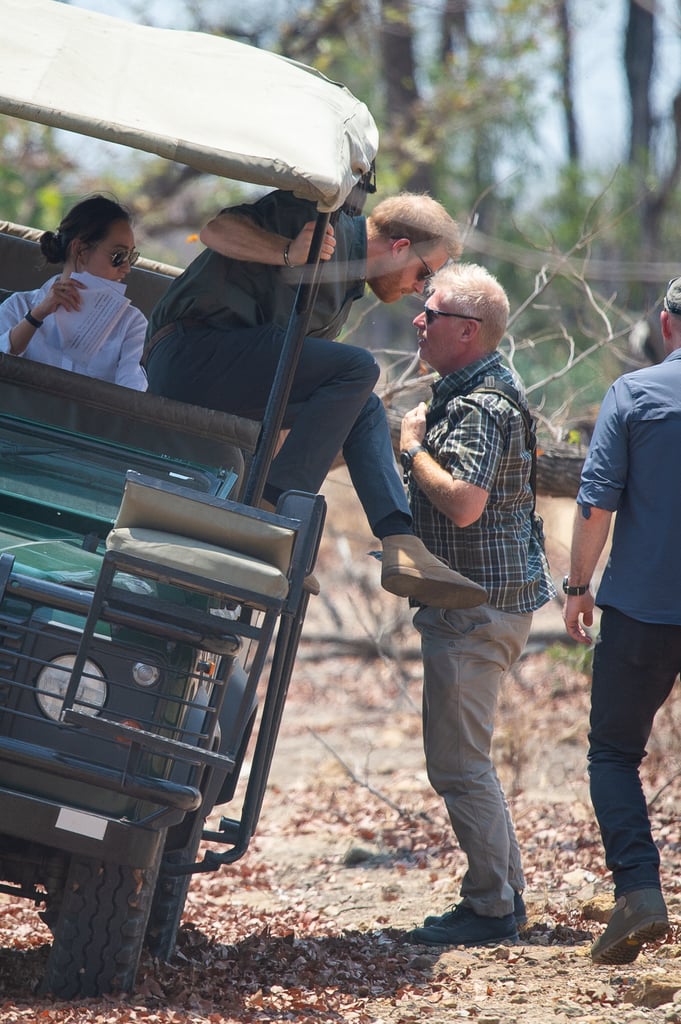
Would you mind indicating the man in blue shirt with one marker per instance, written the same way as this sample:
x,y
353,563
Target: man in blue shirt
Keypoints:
x,y
631,469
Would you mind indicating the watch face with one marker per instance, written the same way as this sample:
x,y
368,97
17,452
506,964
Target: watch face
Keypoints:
x,y
405,459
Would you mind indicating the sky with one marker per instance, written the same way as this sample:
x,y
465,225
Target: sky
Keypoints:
x,y
599,80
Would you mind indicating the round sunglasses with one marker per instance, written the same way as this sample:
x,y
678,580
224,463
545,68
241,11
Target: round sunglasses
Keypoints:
x,y
121,256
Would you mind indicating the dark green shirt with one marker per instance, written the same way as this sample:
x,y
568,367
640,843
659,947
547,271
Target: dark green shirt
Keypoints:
x,y
231,294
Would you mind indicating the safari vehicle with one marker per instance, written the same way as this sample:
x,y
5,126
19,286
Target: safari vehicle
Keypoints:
x,y
134,683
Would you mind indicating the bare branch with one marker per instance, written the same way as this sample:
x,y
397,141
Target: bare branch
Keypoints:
x,y
402,812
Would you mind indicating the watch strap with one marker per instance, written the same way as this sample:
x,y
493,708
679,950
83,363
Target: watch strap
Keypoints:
x,y
573,591
33,320
407,457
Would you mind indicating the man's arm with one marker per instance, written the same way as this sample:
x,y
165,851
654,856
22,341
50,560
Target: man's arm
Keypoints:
x,y
240,238
588,540
460,501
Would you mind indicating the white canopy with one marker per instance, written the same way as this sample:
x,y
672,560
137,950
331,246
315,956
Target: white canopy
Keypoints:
x,y
220,106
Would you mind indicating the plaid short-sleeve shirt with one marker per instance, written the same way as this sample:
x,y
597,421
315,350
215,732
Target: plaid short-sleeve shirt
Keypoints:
x,y
480,438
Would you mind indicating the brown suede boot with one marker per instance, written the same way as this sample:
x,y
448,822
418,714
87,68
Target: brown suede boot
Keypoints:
x,y
410,570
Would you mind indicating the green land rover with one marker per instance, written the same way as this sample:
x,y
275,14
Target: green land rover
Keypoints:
x,y
133,682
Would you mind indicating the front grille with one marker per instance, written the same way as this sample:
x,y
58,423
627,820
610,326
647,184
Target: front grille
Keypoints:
x,y
141,732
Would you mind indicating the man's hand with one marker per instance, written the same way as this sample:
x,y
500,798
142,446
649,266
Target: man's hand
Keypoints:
x,y
299,248
413,428
459,500
574,607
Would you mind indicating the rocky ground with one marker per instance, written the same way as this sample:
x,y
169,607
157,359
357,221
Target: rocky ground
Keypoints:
x,y
353,849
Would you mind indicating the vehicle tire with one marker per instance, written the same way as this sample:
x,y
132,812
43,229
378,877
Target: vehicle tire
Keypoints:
x,y
99,933
168,903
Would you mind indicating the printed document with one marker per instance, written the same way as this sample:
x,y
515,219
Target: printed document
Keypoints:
x,y
84,331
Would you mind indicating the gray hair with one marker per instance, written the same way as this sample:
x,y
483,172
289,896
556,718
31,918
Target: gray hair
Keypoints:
x,y
477,293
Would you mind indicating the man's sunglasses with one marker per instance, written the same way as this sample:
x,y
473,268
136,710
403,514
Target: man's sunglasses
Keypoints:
x,y
121,256
433,314
428,271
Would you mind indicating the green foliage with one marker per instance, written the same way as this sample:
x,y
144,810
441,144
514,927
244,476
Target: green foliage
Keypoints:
x,y
33,168
477,79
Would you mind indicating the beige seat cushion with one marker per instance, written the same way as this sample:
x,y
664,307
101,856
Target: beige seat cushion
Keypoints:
x,y
239,533
204,559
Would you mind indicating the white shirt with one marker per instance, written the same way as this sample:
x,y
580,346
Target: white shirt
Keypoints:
x,y
118,360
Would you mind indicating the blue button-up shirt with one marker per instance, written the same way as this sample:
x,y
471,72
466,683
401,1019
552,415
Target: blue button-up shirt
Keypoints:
x,y
633,468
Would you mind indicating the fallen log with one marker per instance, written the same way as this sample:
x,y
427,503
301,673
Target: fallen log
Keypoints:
x,y
559,467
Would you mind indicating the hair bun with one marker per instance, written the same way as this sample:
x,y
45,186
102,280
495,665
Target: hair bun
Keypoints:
x,y
52,247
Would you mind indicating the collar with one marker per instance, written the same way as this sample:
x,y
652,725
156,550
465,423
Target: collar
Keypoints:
x,y
461,382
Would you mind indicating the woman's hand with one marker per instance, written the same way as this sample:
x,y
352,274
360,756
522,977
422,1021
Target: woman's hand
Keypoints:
x,y
64,294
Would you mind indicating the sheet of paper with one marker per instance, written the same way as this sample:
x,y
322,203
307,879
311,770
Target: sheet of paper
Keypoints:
x,y
84,331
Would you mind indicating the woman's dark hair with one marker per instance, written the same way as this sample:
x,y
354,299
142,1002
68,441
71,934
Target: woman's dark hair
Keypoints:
x,y
88,220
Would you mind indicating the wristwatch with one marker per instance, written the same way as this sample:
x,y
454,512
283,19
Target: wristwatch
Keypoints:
x,y
573,591
407,457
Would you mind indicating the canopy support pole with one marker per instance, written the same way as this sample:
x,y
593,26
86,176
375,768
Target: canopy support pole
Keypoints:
x,y
288,362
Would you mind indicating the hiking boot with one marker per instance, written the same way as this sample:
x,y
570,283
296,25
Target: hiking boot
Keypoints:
x,y
464,927
519,912
409,569
638,917
311,584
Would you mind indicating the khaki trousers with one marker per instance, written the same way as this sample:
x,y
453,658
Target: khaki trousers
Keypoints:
x,y
465,655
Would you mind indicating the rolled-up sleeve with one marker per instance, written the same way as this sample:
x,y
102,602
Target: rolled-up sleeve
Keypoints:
x,y
11,312
605,470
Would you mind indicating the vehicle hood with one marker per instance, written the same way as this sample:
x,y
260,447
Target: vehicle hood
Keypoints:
x,y
59,559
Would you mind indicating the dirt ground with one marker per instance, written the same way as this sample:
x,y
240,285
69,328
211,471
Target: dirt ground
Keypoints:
x,y
353,849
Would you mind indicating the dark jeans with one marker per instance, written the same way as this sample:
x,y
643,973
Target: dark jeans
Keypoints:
x,y
635,666
331,405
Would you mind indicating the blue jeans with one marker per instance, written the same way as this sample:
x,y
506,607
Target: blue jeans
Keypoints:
x,y
634,669
331,405
465,655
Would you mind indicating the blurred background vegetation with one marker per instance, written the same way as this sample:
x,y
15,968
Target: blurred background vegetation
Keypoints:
x,y
459,90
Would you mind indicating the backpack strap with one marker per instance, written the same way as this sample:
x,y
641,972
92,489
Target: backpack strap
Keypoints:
x,y
494,386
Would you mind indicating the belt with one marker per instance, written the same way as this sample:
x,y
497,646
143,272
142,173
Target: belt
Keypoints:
x,y
166,331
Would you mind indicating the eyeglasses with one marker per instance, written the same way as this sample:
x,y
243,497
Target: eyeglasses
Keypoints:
x,y
673,307
121,256
433,314
428,271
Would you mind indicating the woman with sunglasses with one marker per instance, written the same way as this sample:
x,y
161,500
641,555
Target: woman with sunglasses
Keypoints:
x,y
94,240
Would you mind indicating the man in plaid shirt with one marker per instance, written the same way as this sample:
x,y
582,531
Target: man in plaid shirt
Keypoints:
x,y
468,462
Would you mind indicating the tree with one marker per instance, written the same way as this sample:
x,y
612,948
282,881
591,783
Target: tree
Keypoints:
x,y
565,37
639,56
35,173
457,90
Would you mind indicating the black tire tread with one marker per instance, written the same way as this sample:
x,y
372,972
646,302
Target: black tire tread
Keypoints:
x,y
99,934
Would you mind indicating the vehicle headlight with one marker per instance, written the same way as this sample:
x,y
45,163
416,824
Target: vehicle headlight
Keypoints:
x,y
53,681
